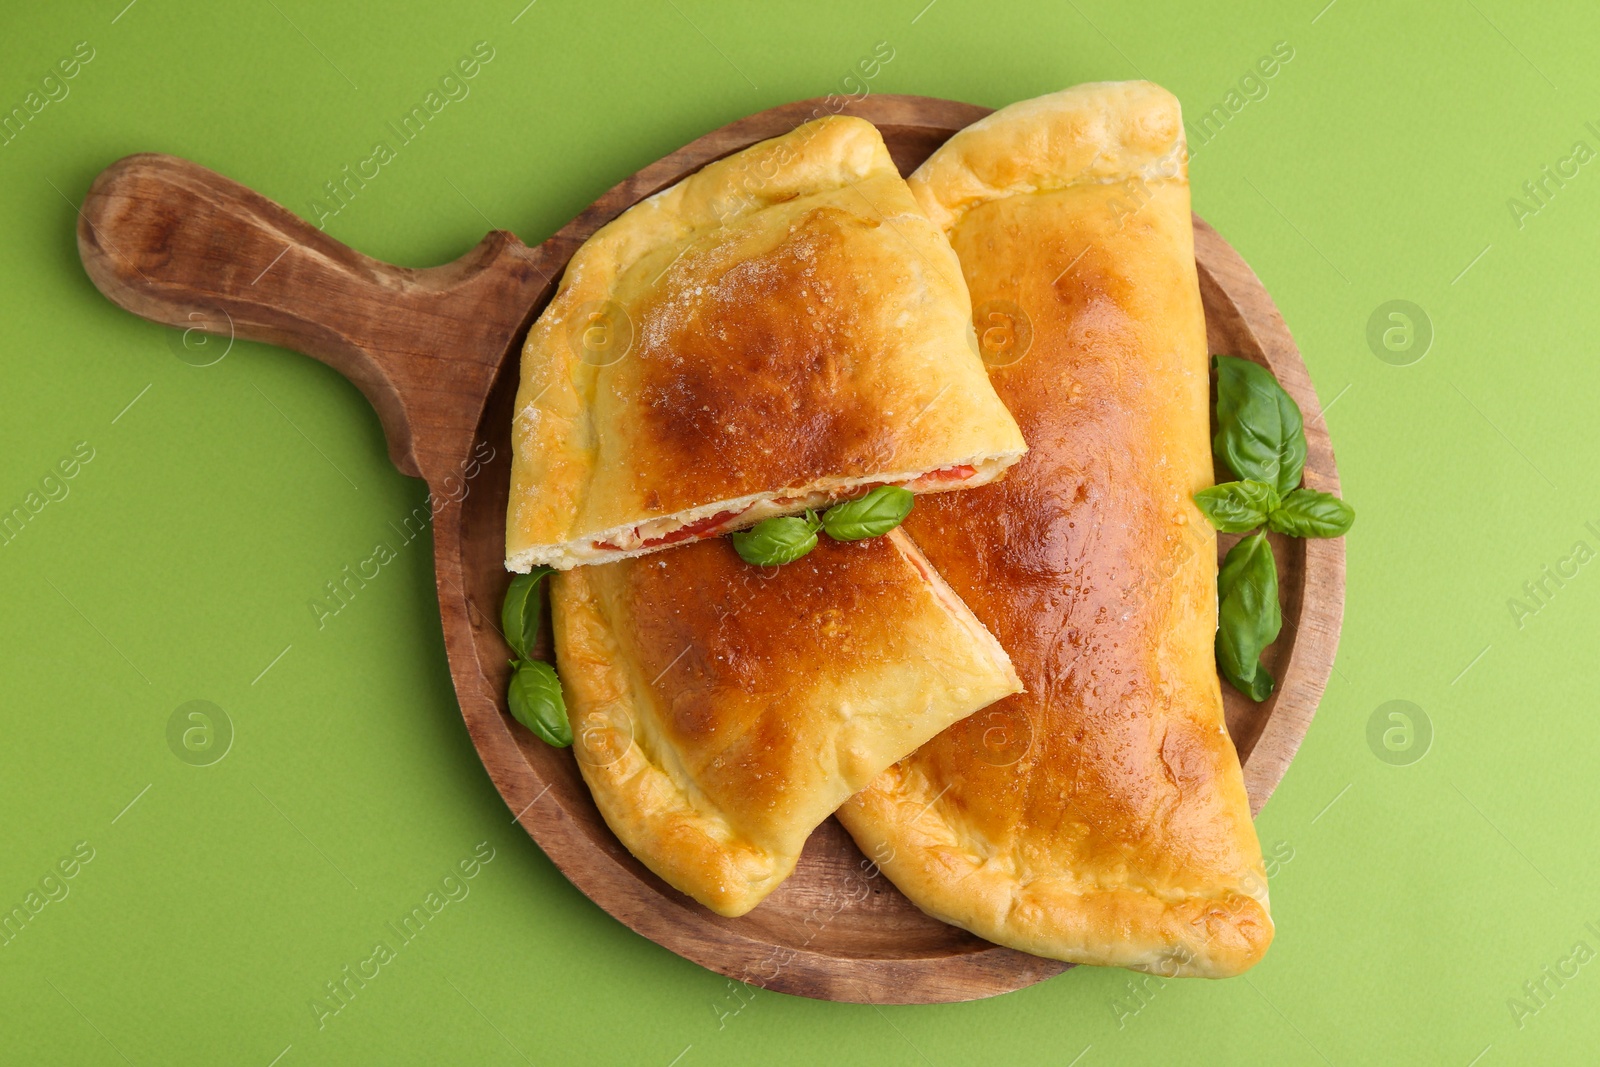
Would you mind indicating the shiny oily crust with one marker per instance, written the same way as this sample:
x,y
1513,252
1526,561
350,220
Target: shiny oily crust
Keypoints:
x,y
721,711
782,328
1100,817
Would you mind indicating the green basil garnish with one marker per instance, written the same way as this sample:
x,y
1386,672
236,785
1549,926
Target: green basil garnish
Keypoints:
x,y
538,704
1248,618
1260,435
772,542
519,615
1308,513
1234,507
535,692
872,515
1262,439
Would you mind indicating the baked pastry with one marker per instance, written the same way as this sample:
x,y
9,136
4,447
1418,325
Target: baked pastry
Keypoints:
x,y
780,329
1100,816
721,711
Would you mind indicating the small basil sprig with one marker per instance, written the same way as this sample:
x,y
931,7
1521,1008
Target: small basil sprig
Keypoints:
x,y
773,542
1248,617
535,693
1261,437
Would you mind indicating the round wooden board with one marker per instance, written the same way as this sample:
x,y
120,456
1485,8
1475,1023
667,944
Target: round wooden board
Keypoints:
x,y
437,351
829,932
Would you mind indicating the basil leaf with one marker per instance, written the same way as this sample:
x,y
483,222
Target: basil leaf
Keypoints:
x,y
1234,507
1248,619
519,615
537,703
1257,688
1260,435
872,515
772,542
1308,513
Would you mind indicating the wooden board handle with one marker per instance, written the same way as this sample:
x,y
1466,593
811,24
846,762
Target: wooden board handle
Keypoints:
x,y
179,244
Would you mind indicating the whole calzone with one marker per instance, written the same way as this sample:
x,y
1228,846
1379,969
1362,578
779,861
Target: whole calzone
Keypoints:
x,y
1100,816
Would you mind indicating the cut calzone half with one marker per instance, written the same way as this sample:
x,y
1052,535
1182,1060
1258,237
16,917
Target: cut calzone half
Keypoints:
x,y
780,329
721,711
1099,817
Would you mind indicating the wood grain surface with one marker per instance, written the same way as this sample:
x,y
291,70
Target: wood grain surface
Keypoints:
x,y
436,352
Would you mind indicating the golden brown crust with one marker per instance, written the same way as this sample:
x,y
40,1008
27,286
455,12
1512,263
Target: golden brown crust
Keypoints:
x,y
785,319
721,711
1100,816
1099,132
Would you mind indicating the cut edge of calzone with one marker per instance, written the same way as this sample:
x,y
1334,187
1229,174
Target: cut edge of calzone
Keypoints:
x,y
780,330
721,711
1101,817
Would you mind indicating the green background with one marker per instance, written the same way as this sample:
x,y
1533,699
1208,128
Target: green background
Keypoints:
x,y
1413,898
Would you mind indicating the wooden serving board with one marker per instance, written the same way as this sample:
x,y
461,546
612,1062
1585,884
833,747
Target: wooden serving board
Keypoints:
x,y
436,351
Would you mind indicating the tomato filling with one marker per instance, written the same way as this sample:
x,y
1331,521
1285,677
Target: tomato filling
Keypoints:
x,y
694,529
958,473
710,524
